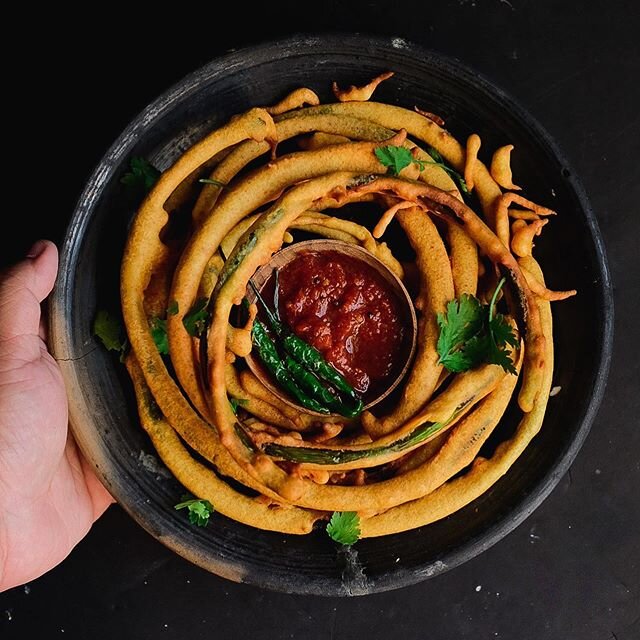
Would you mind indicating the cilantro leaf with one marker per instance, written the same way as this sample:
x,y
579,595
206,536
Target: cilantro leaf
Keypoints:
x,y
502,331
462,184
141,174
476,350
195,321
159,334
470,334
199,510
397,158
435,154
172,309
344,527
466,358
110,331
439,160
463,319
499,355
394,158
501,334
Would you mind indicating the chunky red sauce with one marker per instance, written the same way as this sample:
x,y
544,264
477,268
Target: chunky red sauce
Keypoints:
x,y
347,311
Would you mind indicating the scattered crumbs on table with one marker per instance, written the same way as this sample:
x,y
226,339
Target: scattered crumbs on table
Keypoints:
x,y
598,472
27,589
7,613
399,43
151,464
479,587
555,391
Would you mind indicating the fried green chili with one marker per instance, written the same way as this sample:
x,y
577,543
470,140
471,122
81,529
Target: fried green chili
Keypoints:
x,y
308,367
270,358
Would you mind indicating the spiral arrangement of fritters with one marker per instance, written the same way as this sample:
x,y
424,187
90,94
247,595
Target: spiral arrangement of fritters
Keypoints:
x,y
399,470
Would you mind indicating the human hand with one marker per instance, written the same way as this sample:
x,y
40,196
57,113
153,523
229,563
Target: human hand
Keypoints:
x,y
49,496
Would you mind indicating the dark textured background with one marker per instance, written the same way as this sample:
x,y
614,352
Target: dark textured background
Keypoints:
x,y
571,570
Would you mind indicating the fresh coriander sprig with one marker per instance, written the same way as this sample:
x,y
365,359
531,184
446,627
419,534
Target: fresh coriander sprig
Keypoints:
x,y
398,158
173,308
439,160
109,329
501,334
199,511
472,333
159,334
394,158
196,319
344,527
141,174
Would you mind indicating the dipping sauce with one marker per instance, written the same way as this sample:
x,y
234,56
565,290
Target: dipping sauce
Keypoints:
x,y
347,311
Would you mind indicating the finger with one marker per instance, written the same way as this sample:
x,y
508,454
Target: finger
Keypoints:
x,y
23,287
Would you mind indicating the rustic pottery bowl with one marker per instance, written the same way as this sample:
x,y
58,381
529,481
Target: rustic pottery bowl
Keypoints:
x,y
102,408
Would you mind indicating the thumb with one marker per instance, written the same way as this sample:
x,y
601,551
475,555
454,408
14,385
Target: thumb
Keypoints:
x,y
23,287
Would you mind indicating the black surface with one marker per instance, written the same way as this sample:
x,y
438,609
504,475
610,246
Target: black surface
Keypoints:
x,y
571,570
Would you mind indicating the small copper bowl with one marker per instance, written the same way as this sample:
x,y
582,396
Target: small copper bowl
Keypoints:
x,y
286,255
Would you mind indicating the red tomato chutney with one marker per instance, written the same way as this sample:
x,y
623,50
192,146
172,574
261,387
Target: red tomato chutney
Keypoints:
x,y
349,312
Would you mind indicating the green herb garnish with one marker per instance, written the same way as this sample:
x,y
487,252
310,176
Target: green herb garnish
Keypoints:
x,y
394,158
159,334
173,309
398,158
439,160
321,455
141,174
110,331
300,368
344,527
195,321
199,511
471,333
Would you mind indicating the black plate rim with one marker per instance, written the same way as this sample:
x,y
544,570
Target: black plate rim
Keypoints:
x,y
235,59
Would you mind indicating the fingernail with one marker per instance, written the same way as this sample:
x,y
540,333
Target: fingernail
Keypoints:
x,y
37,248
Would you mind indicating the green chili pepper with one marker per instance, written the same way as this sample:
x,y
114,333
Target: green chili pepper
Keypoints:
x,y
311,358
314,387
268,354
319,455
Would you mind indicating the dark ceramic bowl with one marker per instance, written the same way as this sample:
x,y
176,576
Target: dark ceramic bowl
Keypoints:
x,y
103,414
